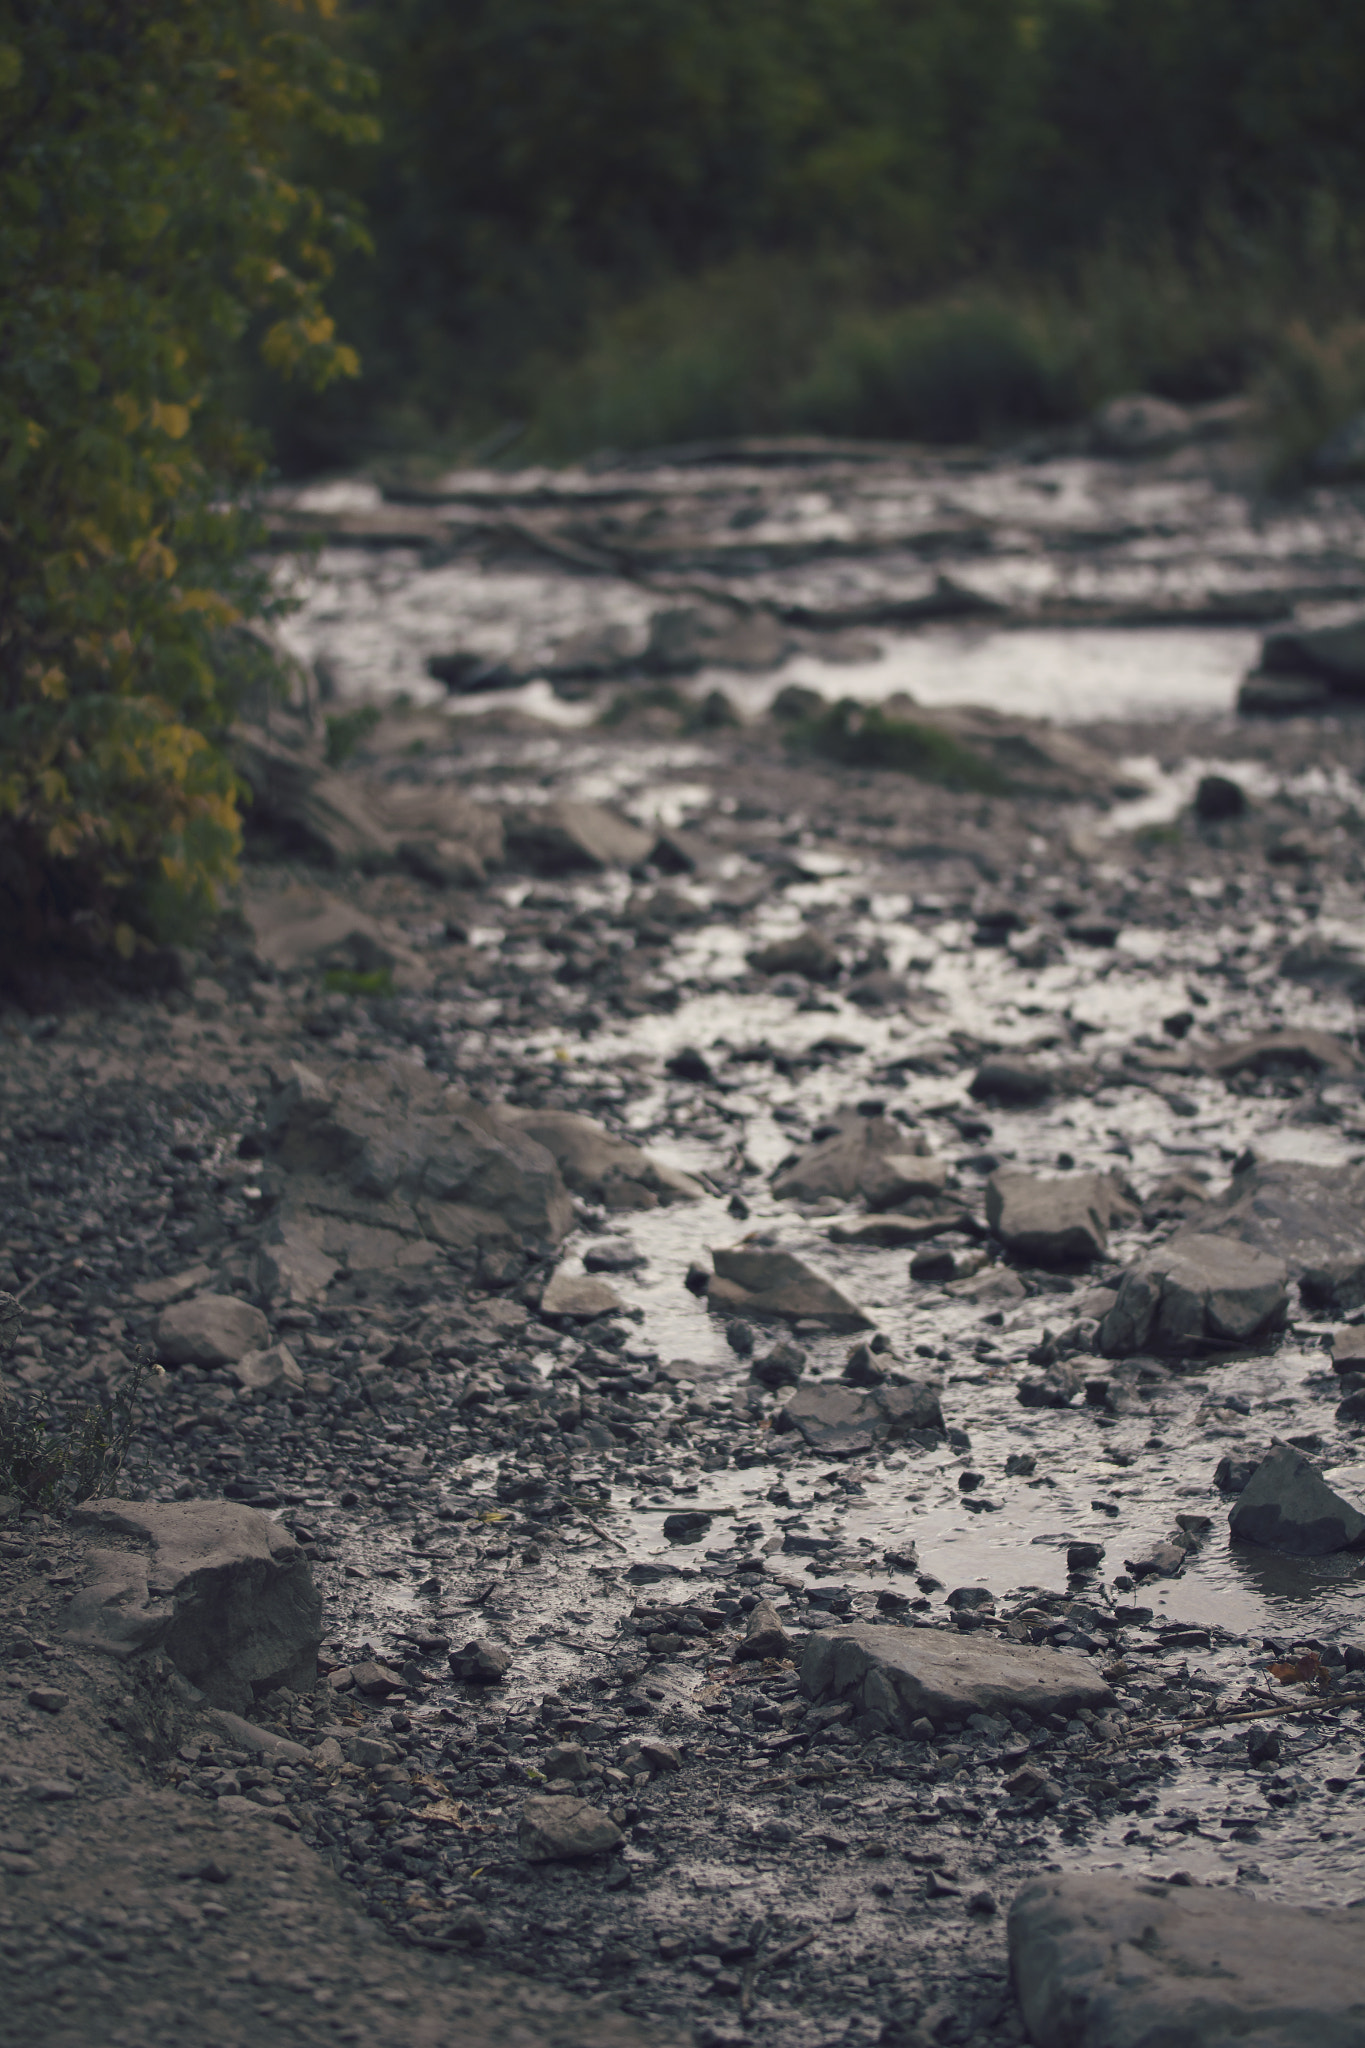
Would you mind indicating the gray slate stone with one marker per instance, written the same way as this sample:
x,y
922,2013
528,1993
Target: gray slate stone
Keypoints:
x,y
222,1590
291,1267
1287,1505
897,1676
600,1167
764,1636
212,1329
1285,1052
1194,1292
838,1420
1056,1222
872,1156
561,1829
573,838
262,1371
1312,1217
1101,1962
580,1297
767,1284
808,952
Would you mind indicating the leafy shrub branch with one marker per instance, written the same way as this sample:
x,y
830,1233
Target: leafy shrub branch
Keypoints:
x,y
147,226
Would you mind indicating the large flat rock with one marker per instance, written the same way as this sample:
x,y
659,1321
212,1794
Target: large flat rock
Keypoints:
x,y
896,1676
1312,1217
600,1167
1054,1221
1287,1505
1100,1962
872,1156
1197,1292
838,1421
772,1285
222,1590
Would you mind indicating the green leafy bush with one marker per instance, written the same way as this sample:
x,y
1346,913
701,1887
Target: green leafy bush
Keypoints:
x,y
50,1460
146,227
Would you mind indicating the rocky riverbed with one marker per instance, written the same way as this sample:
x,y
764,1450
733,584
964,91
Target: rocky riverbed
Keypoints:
x,y
725,1301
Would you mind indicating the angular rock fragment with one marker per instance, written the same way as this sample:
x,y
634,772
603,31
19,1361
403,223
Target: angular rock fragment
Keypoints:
x,y
1287,1505
1053,1222
809,953
222,1590
897,1676
561,1829
764,1636
839,1420
1193,1293
290,1266
1105,1962
1335,654
1013,1084
1312,1217
211,1329
600,1167
1284,1052
306,929
767,1284
578,1297
480,1662
264,1371
573,838
872,1156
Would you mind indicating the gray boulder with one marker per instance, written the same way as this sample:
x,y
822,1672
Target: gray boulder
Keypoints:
x,y
1055,1222
1336,654
562,1829
389,1163
764,1636
291,1268
265,1371
1012,1084
897,1676
578,1297
1312,1217
766,1284
687,637
839,1420
872,1156
212,1329
1287,1505
573,838
1102,1962
1196,1292
222,1590
597,1165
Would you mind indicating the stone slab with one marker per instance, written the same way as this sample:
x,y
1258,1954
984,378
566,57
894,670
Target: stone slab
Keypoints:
x,y
897,1676
1102,1962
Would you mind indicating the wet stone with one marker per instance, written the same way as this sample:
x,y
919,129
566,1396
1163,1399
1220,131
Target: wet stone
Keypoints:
x,y
1196,1291
1054,1222
766,1285
212,1329
560,1829
1013,1084
1310,1217
1100,1962
898,1676
1287,1505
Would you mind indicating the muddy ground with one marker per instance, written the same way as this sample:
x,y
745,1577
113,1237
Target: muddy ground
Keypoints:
x,y
458,1464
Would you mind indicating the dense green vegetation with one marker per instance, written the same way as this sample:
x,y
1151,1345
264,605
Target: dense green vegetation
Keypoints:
x,y
149,228
620,221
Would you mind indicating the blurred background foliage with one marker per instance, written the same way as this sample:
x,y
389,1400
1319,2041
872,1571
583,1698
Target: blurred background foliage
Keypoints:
x,y
616,222
322,232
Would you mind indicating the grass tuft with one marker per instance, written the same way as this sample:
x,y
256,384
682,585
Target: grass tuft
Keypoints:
x,y
861,736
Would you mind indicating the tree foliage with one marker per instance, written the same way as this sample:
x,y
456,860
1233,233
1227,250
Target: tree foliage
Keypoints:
x,y
148,227
544,160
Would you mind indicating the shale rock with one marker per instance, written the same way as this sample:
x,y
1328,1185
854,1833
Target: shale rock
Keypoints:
x,y
809,953
1285,1052
1287,1505
1335,654
480,1662
573,838
1013,1084
1194,1292
600,1167
559,1830
290,1267
263,1371
838,1420
764,1636
1312,1217
212,1329
1053,1222
579,1297
872,1156
766,1284
302,928
897,1676
1102,1962
223,1591
389,1163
